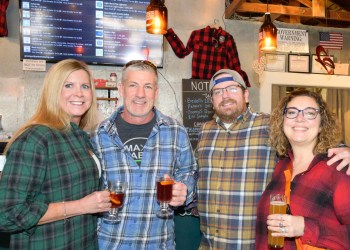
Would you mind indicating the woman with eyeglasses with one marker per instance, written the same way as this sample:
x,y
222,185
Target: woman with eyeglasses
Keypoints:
x,y
302,129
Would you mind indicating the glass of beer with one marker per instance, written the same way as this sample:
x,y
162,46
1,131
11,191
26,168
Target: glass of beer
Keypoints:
x,y
164,195
116,196
278,205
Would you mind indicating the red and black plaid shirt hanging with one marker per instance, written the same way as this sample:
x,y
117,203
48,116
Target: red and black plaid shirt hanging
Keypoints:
x,y
3,24
213,49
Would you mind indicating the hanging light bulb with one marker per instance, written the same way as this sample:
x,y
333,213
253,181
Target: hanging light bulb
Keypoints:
x,y
156,17
268,34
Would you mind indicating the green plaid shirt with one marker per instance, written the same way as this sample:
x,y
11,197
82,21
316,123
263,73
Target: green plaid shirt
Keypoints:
x,y
45,166
235,165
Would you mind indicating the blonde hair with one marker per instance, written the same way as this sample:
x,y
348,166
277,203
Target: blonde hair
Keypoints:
x,y
328,137
49,112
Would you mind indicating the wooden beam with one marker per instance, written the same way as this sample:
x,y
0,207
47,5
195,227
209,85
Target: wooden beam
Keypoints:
x,y
275,9
291,11
338,15
307,3
294,19
319,8
231,9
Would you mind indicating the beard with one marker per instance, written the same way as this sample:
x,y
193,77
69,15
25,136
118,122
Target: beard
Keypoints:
x,y
229,115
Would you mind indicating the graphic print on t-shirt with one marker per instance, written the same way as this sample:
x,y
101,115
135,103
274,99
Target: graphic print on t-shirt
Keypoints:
x,y
135,147
134,136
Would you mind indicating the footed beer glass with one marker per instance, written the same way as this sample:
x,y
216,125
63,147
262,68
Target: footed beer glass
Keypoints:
x,y
164,196
117,193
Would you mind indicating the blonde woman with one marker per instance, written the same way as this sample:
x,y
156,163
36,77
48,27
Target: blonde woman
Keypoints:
x,y
49,186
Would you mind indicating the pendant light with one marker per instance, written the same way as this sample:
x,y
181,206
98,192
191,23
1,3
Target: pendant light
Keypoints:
x,y
156,17
268,33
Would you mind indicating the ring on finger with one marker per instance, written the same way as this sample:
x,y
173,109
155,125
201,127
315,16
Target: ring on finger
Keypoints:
x,y
283,230
280,224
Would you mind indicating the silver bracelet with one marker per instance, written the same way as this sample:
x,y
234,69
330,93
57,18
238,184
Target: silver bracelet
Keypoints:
x,y
64,211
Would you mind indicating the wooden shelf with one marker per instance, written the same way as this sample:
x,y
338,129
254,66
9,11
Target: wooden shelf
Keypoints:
x,y
109,98
106,99
107,88
268,78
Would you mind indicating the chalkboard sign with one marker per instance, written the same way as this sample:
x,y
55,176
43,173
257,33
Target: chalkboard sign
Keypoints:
x,y
196,106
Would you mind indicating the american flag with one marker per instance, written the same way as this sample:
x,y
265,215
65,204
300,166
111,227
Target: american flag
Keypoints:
x,y
331,40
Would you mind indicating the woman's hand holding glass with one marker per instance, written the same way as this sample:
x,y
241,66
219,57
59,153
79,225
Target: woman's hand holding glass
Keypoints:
x,y
116,197
96,202
294,226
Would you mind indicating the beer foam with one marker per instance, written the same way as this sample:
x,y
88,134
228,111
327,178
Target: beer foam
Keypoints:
x,y
278,203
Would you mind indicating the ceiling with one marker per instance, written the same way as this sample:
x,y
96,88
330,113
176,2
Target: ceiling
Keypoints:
x,y
323,13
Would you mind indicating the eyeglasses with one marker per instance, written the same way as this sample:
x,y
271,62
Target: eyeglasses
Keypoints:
x,y
146,62
229,89
308,113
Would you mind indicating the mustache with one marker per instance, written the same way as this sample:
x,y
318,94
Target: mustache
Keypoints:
x,y
227,101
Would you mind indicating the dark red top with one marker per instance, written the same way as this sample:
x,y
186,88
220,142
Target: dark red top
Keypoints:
x,y
3,24
321,195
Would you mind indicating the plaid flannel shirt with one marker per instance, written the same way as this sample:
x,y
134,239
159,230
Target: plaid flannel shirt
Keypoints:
x,y
213,49
167,150
321,195
3,23
235,166
45,166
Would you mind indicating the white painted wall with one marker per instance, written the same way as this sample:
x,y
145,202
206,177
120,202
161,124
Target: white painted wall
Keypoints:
x,y
19,90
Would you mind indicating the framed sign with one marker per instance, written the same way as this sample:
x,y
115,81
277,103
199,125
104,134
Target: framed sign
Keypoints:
x,y
275,62
317,67
293,41
299,63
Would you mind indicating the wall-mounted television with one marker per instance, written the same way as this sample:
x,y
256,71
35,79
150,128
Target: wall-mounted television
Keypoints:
x,y
104,32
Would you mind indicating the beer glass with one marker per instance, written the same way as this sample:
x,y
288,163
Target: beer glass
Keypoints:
x,y
116,195
278,205
2,163
164,195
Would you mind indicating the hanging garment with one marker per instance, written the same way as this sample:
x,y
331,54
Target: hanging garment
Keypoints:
x,y
3,24
213,49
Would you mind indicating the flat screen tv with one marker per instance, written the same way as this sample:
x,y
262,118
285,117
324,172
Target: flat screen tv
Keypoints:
x,y
104,32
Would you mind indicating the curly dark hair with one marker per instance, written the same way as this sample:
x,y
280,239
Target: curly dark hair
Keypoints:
x,y
327,138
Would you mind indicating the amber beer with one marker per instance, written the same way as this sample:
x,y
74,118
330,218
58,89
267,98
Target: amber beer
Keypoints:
x,y
117,199
164,190
278,205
